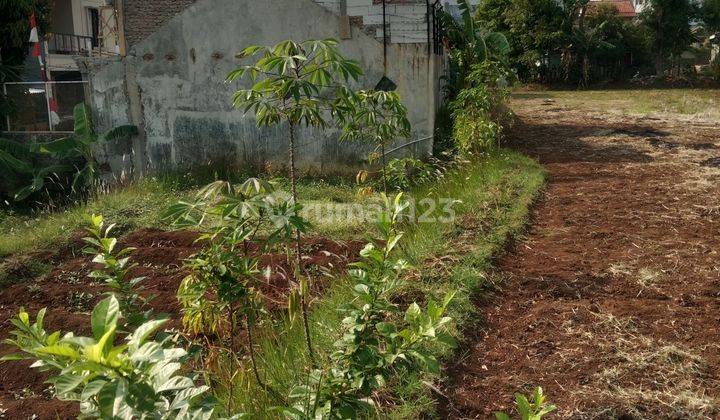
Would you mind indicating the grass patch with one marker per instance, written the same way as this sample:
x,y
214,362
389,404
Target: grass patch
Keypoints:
x,y
687,102
141,204
136,205
495,194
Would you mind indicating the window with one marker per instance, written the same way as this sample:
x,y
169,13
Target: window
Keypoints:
x,y
94,25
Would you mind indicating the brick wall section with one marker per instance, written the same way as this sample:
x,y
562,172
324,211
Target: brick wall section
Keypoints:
x,y
143,17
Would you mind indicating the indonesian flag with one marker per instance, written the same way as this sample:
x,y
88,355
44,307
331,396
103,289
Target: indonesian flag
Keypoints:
x,y
34,38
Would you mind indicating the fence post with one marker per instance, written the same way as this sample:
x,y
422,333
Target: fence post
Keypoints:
x,y
47,103
7,117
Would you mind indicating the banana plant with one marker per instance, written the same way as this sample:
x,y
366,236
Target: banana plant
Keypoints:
x,y
470,44
17,164
81,146
78,150
476,43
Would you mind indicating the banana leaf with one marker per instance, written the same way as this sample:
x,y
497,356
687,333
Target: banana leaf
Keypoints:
x,y
83,124
38,182
119,133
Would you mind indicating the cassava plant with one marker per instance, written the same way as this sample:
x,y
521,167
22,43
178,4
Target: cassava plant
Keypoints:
x,y
377,341
138,379
222,290
115,271
295,85
374,117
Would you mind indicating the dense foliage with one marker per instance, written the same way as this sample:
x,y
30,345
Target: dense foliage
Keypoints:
x,y
577,41
66,165
376,342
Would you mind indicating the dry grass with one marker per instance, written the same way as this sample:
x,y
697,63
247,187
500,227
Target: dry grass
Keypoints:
x,y
643,377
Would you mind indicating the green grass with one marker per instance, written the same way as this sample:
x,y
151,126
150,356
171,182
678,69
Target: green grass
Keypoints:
x,y
133,206
688,102
496,194
141,204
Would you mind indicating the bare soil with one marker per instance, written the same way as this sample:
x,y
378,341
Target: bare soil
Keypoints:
x,y
69,295
612,301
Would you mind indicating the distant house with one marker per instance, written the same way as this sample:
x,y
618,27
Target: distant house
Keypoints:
x,y
627,9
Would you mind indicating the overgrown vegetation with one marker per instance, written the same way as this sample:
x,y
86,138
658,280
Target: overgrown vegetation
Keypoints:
x,y
579,42
64,167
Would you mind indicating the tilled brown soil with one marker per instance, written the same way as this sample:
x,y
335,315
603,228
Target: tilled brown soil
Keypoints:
x,y
612,301
69,295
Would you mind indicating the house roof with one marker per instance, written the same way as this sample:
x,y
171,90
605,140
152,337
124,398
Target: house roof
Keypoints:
x,y
625,8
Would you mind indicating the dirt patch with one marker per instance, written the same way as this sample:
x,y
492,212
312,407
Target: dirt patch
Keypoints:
x,y
612,301
69,295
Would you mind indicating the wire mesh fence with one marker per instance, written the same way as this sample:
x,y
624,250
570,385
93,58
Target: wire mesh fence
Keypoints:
x,y
42,106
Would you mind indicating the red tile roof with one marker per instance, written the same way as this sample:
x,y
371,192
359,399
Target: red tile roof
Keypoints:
x,y
625,7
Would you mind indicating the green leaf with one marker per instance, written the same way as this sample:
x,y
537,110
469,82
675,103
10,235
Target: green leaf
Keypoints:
x,y
105,316
176,383
142,332
111,399
92,389
83,123
60,350
122,132
66,383
66,146
13,163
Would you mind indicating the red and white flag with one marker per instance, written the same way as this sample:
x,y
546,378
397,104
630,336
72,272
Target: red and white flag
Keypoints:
x,y
33,29
36,44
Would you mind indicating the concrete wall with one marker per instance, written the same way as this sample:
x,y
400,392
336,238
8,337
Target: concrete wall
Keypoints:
x,y
172,84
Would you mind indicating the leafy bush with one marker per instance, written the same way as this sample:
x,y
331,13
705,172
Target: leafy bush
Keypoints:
x,y
403,174
375,117
115,271
479,110
137,379
375,343
534,410
222,289
474,130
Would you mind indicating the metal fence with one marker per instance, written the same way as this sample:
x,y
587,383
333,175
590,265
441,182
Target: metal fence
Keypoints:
x,y
42,106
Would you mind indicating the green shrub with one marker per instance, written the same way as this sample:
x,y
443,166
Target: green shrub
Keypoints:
x,y
115,271
376,343
137,379
534,410
479,110
403,174
474,130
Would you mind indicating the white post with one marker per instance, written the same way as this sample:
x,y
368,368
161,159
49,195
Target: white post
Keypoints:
x,y
47,103
7,117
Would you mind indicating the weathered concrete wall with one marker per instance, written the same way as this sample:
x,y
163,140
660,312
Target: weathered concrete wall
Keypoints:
x,y
177,76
